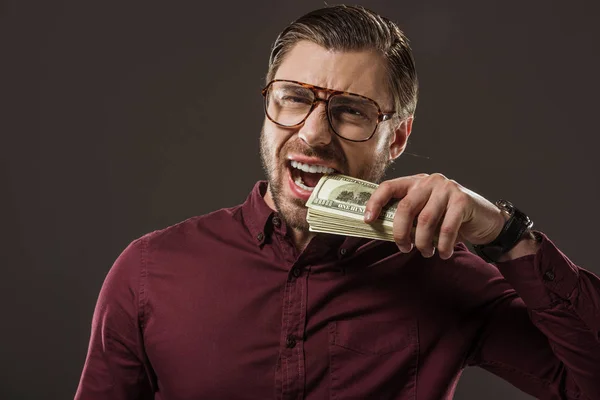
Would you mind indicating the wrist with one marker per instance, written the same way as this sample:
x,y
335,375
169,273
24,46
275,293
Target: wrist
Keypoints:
x,y
517,226
528,244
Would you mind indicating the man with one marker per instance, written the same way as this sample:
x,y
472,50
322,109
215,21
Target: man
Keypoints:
x,y
246,303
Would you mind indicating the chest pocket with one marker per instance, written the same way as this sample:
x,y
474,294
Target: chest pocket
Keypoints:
x,y
373,359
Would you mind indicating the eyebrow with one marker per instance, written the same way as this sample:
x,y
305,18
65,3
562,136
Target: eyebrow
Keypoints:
x,y
351,97
296,88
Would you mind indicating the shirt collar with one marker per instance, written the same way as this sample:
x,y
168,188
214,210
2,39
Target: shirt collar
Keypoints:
x,y
256,212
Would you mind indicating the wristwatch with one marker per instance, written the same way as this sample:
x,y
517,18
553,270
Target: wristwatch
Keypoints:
x,y
515,227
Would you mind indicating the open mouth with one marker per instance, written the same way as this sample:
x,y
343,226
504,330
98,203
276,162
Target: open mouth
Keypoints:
x,y
306,176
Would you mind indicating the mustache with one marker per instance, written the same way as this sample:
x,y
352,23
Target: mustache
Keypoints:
x,y
327,153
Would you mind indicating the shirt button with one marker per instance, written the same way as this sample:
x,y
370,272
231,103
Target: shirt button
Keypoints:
x,y
276,221
260,237
343,251
549,275
290,341
296,272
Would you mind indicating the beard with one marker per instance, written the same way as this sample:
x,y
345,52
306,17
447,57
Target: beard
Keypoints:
x,y
293,210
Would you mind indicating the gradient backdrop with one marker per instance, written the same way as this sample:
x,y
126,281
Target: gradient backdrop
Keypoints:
x,y
118,118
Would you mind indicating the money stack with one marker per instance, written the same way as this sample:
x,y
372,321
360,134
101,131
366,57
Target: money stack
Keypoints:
x,y
337,206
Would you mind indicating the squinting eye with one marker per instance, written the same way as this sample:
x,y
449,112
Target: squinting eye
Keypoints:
x,y
353,111
348,111
295,99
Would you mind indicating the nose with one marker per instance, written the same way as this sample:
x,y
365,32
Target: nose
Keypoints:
x,y
315,131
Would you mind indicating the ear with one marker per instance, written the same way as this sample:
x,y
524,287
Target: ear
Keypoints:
x,y
399,138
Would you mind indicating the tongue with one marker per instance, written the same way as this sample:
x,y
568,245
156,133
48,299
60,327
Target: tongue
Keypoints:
x,y
310,179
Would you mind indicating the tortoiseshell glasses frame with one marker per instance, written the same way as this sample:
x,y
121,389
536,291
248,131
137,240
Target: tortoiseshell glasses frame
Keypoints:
x,y
381,115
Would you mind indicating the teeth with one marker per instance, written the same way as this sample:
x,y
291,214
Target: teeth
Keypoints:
x,y
298,181
321,169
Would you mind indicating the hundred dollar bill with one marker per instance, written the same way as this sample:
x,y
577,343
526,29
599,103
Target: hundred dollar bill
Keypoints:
x,y
346,196
337,206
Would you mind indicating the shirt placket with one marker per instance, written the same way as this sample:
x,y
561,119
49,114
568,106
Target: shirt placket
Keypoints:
x,y
290,374
292,338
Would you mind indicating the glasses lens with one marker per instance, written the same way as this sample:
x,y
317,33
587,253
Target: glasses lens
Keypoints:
x,y
288,103
353,117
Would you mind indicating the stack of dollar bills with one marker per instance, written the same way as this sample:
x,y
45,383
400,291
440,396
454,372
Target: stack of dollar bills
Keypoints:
x,y
337,206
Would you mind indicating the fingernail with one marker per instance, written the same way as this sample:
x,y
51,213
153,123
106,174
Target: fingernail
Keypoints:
x,y
368,216
428,254
405,249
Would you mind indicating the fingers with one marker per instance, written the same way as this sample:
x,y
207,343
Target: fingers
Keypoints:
x,y
408,209
428,222
395,188
442,216
449,235
431,208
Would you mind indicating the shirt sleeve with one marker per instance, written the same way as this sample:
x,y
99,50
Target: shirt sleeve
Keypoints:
x,y
116,367
546,340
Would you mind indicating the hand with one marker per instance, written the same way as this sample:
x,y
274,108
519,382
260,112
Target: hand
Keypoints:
x,y
442,207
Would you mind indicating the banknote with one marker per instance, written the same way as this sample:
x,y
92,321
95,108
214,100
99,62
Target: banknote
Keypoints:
x,y
337,205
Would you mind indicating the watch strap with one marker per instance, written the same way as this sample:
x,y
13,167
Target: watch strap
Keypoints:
x,y
517,224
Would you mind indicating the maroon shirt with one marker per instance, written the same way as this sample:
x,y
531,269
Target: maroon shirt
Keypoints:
x,y
222,306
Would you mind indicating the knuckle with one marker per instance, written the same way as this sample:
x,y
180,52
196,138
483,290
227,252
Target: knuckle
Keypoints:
x,y
385,186
447,230
461,198
438,177
406,205
452,184
426,219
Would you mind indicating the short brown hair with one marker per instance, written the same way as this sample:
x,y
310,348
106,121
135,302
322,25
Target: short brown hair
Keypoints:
x,y
352,28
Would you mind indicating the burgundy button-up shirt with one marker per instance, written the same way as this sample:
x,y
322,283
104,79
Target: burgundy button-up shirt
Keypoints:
x,y
222,306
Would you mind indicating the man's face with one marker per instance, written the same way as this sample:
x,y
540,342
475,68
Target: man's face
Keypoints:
x,y
313,142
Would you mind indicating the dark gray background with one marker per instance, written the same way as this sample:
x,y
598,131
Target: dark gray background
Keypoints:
x,y
118,118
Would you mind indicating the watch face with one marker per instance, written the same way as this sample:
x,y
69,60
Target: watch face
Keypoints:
x,y
505,206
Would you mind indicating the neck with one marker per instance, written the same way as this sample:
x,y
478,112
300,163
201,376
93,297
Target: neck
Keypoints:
x,y
300,237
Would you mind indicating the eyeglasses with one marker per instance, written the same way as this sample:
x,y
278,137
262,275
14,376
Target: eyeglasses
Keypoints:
x,y
351,116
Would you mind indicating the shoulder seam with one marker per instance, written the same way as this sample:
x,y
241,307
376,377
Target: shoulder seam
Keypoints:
x,y
142,282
